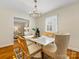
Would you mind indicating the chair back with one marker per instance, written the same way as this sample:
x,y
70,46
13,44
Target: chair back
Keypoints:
x,y
49,34
62,41
21,45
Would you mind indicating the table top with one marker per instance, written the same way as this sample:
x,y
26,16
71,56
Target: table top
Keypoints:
x,y
43,40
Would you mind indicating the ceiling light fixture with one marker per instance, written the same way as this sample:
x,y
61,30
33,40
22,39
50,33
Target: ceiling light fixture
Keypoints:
x,y
35,12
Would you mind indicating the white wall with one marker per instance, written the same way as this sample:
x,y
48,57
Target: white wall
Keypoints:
x,y
7,25
6,30
68,21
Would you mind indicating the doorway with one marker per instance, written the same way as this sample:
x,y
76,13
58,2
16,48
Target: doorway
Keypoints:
x,y
20,26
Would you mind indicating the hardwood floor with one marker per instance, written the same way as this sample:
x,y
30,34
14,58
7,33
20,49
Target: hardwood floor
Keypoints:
x,y
7,53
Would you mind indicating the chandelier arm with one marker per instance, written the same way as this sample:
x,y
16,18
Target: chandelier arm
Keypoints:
x,y
35,12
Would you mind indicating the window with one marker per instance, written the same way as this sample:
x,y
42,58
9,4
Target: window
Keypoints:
x,y
51,24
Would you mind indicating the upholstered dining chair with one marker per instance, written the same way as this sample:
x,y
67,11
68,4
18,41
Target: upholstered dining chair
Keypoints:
x,y
24,51
61,41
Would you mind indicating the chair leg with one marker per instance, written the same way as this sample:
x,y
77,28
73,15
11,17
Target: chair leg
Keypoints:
x,y
42,54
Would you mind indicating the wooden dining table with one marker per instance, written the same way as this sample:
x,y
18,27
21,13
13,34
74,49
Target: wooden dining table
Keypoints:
x,y
42,41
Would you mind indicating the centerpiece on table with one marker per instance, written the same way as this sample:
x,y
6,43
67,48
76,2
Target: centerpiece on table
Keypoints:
x,y
37,32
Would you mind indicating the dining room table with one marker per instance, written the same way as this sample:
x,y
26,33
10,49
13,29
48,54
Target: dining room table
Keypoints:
x,y
42,41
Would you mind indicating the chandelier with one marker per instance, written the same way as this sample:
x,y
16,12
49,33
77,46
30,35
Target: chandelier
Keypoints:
x,y
35,12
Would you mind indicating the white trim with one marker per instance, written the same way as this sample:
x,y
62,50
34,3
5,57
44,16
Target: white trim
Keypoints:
x,y
6,45
19,19
75,49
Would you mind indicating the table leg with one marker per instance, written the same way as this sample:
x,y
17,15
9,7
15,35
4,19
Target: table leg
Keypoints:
x,y
42,53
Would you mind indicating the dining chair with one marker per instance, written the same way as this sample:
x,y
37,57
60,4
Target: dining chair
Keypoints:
x,y
49,34
58,50
62,42
26,51
29,42
21,48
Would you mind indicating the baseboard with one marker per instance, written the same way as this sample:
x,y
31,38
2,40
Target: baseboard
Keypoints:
x,y
1,46
75,49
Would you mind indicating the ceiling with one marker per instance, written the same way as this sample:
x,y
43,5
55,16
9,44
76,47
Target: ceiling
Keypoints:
x,y
27,5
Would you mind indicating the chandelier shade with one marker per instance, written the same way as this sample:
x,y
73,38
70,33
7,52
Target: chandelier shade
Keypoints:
x,y
35,12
